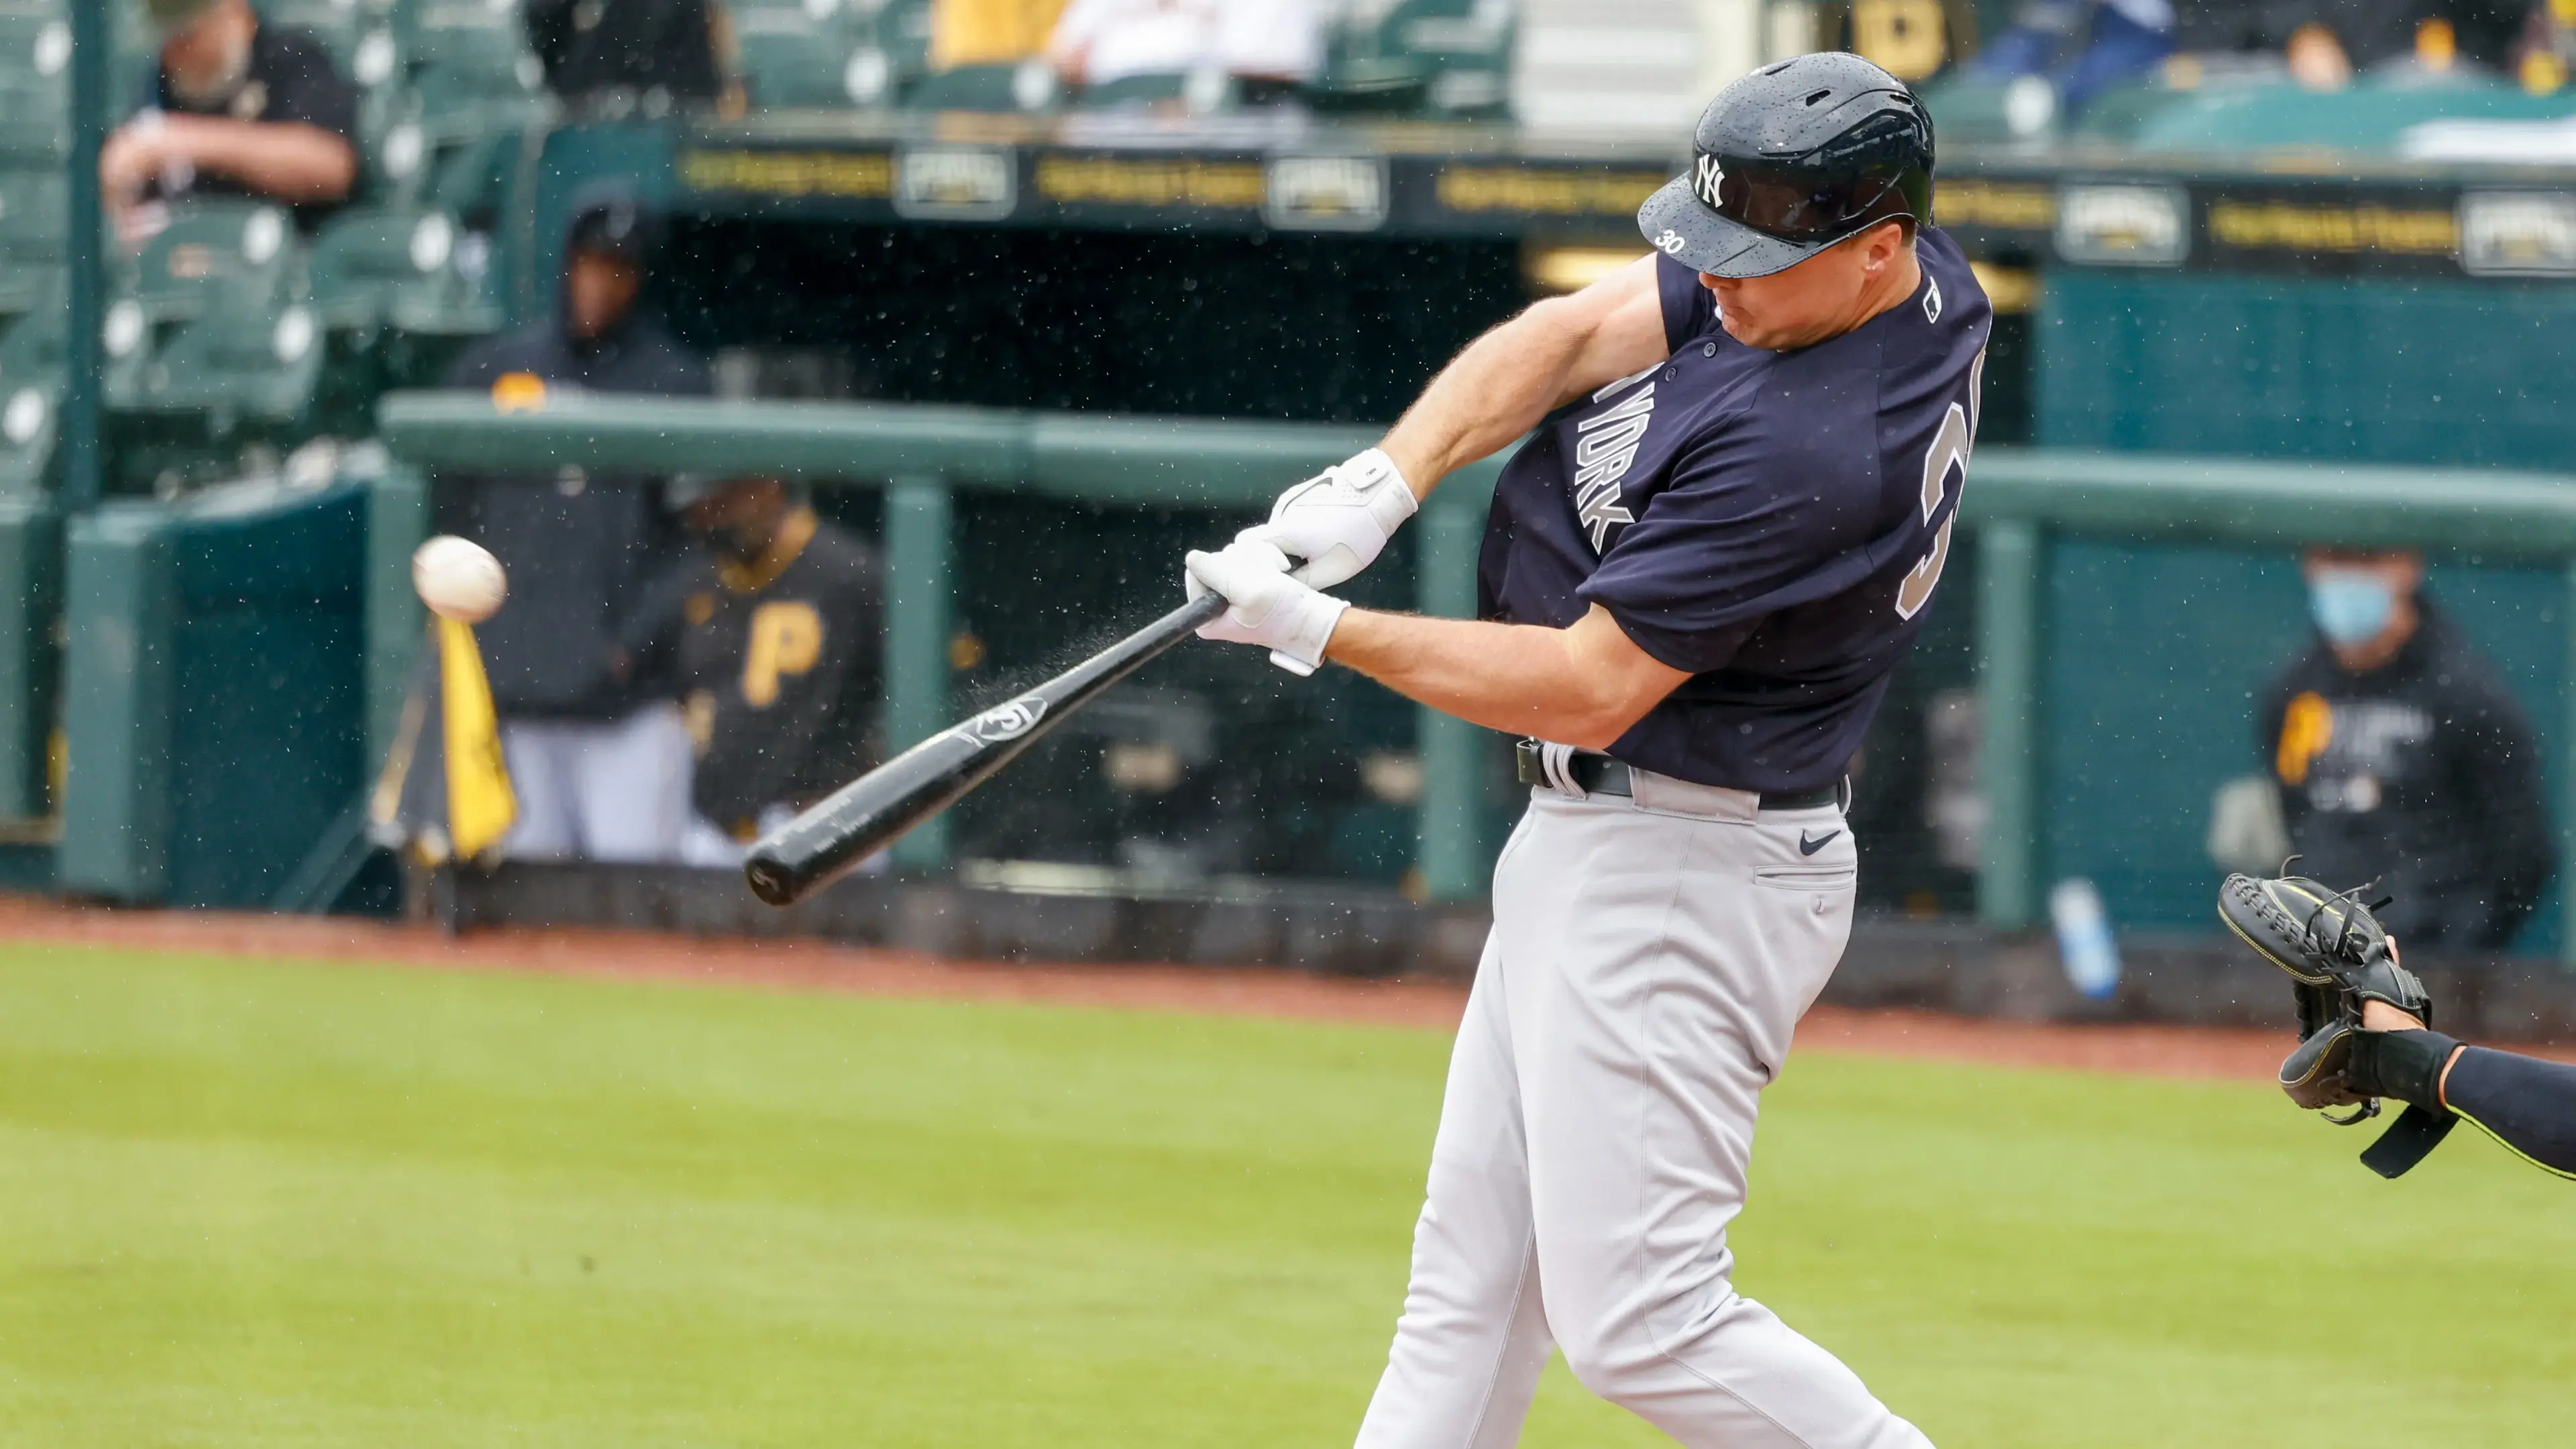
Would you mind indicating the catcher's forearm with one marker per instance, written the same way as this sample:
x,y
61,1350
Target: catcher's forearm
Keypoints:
x,y
2525,1103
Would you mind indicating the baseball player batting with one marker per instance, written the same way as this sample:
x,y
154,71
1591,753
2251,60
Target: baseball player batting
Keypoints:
x,y
1697,576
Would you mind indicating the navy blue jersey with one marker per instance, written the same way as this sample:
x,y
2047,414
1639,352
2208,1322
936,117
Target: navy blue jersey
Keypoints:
x,y
1772,522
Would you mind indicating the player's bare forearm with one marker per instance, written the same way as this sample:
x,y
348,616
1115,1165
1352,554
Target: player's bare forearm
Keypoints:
x,y
288,161
1584,685
1507,380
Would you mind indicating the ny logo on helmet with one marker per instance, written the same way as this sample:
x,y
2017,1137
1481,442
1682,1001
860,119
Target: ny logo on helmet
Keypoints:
x,y
1707,177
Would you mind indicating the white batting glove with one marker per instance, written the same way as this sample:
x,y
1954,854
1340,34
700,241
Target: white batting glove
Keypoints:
x,y
1268,606
1338,520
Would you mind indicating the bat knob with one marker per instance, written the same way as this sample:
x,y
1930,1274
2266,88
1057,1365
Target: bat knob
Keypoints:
x,y
770,881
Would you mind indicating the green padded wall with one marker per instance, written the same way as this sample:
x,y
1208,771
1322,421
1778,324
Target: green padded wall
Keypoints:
x,y
2383,370
31,542
214,691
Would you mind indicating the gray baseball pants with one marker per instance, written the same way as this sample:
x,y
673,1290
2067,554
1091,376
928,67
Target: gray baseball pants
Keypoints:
x,y
1649,961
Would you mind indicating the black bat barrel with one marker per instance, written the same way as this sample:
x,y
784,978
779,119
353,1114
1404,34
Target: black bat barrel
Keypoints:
x,y
871,812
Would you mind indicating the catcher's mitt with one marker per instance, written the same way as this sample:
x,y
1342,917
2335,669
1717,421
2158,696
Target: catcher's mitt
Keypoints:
x,y
2337,957
2322,939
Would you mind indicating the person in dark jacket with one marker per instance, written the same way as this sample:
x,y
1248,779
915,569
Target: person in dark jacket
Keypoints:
x,y
600,758
235,107
2401,757
658,54
774,636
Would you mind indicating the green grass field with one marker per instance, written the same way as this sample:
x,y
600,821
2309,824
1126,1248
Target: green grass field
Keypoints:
x,y
289,1205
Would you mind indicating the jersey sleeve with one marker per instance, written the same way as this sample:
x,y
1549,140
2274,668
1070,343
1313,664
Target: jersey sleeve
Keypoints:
x,y
1688,307
1737,535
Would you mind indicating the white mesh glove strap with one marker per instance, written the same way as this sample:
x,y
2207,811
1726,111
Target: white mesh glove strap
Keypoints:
x,y
1268,606
1338,520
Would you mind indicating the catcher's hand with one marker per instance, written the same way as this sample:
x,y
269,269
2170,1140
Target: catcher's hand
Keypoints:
x,y
2315,1075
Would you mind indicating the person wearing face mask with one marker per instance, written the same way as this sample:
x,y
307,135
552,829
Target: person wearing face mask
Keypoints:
x,y
236,108
2401,757
772,635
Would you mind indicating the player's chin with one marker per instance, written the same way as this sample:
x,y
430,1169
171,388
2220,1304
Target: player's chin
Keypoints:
x,y
1744,329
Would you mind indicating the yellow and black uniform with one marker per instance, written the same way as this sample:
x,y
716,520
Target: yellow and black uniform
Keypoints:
x,y
2421,775
778,661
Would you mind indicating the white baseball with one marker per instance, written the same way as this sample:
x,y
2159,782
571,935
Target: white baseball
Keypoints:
x,y
459,579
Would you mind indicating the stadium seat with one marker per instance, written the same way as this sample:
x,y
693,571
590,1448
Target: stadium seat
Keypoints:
x,y
32,371
27,432
2116,113
34,234
341,24
1028,86
35,39
244,358
396,267
35,120
1447,57
468,62
211,249
787,58
898,33
1975,108
1205,93
31,389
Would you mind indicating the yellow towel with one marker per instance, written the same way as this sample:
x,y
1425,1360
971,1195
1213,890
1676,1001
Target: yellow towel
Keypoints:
x,y
480,804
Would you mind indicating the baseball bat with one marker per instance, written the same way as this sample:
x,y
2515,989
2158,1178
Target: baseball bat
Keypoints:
x,y
870,812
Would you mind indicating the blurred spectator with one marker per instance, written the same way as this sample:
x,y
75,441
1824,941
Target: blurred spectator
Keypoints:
x,y
989,32
235,108
2402,759
774,634
2080,47
659,54
1268,47
2323,43
599,757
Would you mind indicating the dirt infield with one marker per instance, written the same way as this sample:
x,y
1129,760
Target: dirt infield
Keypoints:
x,y
813,965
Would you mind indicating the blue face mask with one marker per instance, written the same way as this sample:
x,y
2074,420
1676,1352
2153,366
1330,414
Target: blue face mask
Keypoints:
x,y
2350,608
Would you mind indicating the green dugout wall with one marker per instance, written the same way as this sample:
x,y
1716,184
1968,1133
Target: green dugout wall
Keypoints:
x,y
2450,373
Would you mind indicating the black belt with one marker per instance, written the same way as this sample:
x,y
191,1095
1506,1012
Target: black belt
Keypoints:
x,y
1601,775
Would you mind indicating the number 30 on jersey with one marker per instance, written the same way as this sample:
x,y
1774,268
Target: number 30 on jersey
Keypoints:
x,y
1948,457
